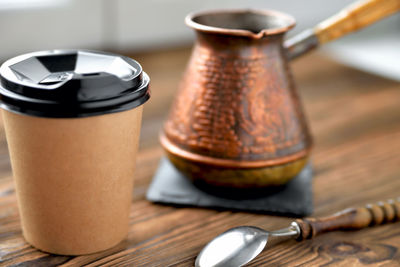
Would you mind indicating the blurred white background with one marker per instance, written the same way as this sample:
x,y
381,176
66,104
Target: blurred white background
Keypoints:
x,y
131,25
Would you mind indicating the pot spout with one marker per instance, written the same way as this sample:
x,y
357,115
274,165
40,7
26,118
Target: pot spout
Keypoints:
x,y
250,23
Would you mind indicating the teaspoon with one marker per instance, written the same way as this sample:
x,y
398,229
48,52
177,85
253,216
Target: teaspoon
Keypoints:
x,y
242,244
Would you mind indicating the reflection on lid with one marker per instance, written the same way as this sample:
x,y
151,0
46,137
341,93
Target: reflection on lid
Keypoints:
x,y
89,63
56,77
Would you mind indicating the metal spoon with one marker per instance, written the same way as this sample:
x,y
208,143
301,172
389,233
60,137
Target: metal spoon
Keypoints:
x,y
240,245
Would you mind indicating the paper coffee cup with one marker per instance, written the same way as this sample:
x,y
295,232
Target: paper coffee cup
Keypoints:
x,y
72,121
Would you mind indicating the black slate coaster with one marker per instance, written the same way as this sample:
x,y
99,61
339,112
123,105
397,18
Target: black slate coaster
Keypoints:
x,y
171,187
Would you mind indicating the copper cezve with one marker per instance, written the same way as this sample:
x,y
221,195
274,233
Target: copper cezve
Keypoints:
x,y
237,120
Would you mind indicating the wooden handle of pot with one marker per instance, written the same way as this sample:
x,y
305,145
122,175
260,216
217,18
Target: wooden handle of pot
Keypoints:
x,y
350,19
355,17
351,219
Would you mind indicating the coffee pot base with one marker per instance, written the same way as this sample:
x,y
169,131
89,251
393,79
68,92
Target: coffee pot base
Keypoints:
x,y
231,177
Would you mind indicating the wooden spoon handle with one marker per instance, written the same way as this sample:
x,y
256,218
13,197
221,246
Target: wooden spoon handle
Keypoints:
x,y
351,219
355,17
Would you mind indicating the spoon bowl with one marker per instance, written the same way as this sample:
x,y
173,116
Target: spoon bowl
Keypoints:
x,y
234,247
239,246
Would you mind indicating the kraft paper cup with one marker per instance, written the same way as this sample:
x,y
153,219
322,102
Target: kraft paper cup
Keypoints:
x,y
73,157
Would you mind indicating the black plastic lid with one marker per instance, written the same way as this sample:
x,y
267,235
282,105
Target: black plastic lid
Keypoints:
x,y
72,83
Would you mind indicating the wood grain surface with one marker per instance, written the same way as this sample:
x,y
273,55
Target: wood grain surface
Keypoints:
x,y
355,120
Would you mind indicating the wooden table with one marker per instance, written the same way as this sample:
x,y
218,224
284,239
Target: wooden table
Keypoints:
x,y
355,119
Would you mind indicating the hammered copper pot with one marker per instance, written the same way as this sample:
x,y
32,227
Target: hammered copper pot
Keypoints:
x,y
237,120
